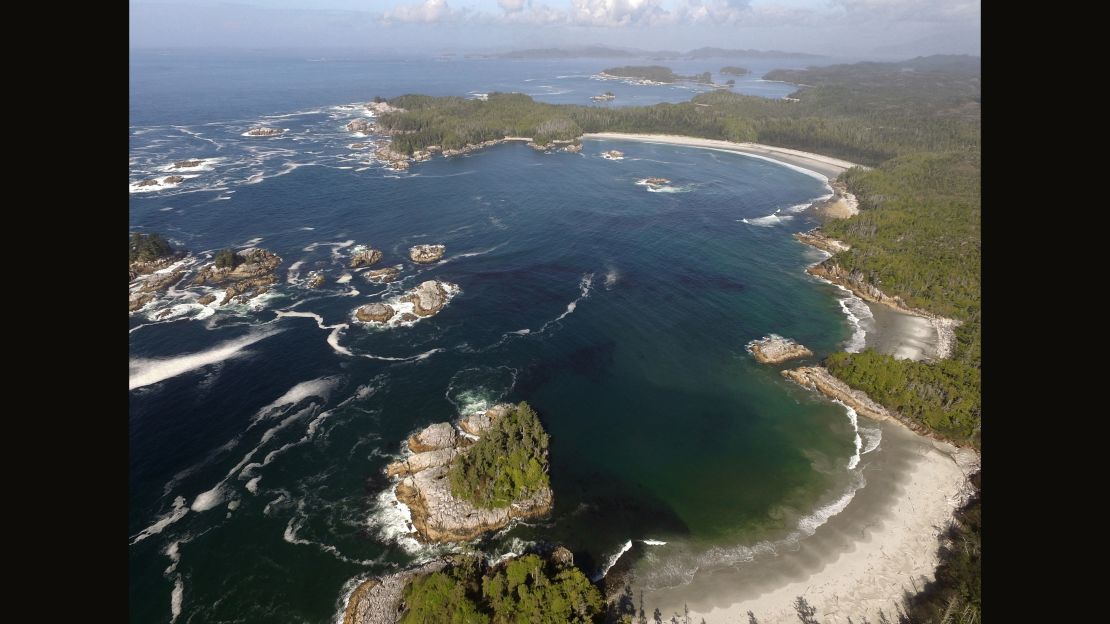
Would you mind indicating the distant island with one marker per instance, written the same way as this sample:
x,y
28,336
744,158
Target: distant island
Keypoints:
x,y
667,55
654,74
735,71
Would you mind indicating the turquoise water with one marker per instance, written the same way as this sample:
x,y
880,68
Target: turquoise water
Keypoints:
x,y
256,446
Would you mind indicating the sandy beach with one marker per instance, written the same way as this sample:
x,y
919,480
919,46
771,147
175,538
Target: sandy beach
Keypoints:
x,y
880,539
827,167
884,542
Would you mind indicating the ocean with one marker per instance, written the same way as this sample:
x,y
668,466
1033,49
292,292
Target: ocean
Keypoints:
x,y
258,432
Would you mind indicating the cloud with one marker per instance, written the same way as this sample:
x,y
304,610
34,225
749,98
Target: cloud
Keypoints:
x,y
513,6
714,11
427,12
921,10
619,13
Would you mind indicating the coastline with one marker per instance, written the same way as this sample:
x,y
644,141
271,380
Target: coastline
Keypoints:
x,y
824,166
884,542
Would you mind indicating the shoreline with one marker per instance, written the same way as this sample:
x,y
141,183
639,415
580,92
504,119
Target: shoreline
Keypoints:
x,y
824,166
884,542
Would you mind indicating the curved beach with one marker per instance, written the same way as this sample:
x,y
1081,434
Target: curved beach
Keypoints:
x,y
827,167
884,541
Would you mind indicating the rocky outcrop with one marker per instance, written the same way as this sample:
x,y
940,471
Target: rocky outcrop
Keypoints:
x,y
816,238
147,279
841,205
395,160
359,145
375,313
820,379
380,108
574,148
437,516
263,131
247,280
612,155
774,349
364,257
316,279
187,164
426,254
425,300
174,179
364,126
477,423
656,181
429,297
381,276
151,182
433,438
379,600
856,281
206,299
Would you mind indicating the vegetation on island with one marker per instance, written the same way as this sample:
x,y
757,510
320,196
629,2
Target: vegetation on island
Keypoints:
x,y
509,462
227,258
147,247
525,589
656,73
732,70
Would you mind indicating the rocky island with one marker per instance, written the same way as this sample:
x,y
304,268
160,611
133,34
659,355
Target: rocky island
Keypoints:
x,y
166,181
247,273
382,276
426,254
425,300
466,588
187,164
604,97
363,256
316,279
151,259
773,349
263,131
656,182
459,484
612,155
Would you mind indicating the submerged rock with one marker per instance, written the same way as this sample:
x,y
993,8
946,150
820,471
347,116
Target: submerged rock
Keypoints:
x,y
426,254
773,349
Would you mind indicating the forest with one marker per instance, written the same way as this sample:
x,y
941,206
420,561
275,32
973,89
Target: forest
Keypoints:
x,y
507,463
525,589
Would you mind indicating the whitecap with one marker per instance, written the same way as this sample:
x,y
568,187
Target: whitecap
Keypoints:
x,y
144,372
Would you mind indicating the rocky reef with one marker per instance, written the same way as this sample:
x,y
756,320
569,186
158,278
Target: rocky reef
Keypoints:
x,y
248,279
612,155
263,131
656,181
316,279
147,279
187,164
437,515
773,349
426,254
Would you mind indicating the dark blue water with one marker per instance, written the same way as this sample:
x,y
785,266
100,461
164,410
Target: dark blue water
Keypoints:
x,y
258,433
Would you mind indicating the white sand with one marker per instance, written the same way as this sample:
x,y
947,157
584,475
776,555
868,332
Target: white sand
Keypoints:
x,y
826,167
863,559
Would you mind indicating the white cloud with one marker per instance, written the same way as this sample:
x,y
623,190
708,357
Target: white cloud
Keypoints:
x,y
619,13
513,6
427,12
714,11
923,10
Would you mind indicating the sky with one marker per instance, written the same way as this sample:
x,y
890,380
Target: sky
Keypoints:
x,y
840,28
